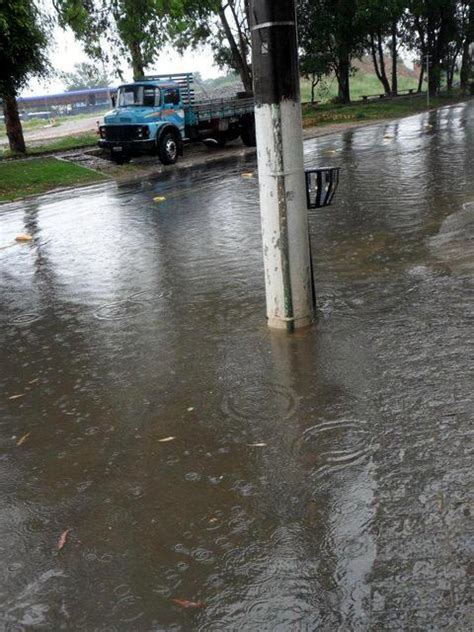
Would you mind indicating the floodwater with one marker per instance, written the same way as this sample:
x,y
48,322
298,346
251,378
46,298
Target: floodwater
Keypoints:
x,y
319,481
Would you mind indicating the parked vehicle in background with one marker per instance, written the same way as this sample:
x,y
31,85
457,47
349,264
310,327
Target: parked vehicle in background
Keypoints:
x,y
159,115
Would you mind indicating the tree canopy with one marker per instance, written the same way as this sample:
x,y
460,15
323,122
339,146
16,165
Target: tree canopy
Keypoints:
x,y
23,46
86,75
332,34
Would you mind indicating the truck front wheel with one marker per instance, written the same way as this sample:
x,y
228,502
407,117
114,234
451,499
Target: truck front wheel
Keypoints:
x,y
248,133
168,148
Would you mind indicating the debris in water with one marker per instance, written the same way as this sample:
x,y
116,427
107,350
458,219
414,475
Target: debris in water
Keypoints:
x,y
256,445
23,237
17,396
166,439
62,539
190,409
34,381
184,603
247,174
22,439
159,198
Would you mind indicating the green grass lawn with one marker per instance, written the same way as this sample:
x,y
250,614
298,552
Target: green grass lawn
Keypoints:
x,y
19,178
34,124
362,84
326,113
88,139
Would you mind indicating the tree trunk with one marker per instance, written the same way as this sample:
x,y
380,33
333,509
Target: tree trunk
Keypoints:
x,y
379,62
314,83
138,66
394,59
242,42
450,69
466,63
435,76
13,123
422,76
465,66
240,63
383,72
344,93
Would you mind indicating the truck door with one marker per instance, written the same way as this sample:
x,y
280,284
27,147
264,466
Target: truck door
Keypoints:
x,y
172,107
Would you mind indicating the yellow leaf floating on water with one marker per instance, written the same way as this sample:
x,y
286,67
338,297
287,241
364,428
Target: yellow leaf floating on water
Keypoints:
x,y
159,198
22,439
185,603
246,174
62,539
23,237
166,439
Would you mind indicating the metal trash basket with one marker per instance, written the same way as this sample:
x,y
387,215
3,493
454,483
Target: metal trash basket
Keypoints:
x,y
321,186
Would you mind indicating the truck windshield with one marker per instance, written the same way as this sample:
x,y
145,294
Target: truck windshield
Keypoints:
x,y
147,96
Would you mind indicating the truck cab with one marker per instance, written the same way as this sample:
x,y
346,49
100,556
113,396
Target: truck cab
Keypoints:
x,y
148,117
157,114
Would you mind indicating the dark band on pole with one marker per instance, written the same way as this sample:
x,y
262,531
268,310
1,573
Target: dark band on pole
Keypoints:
x,y
275,51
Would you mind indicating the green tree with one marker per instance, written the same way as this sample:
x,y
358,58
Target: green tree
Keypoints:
x,y
315,60
114,29
224,25
430,27
382,19
86,75
336,31
23,42
467,26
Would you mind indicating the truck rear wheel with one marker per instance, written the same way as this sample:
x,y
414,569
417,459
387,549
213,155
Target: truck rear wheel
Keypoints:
x,y
248,133
168,148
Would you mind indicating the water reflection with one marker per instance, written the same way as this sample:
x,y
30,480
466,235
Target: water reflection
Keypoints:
x,y
312,482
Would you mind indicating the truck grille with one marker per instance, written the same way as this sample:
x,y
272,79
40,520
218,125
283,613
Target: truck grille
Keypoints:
x,y
121,132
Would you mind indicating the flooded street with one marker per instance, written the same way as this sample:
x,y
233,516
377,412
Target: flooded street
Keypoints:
x,y
319,481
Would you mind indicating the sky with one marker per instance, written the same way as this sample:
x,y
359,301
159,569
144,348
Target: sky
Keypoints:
x,y
65,51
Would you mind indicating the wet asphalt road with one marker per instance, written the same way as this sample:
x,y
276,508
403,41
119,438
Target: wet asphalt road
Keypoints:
x,y
321,481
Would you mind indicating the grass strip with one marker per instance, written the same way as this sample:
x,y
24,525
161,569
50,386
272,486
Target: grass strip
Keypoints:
x,y
325,113
20,178
77,141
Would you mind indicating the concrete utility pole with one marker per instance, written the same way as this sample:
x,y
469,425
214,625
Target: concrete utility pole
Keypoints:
x,y
280,164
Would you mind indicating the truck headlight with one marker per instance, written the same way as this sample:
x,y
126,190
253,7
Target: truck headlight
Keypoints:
x,y
143,131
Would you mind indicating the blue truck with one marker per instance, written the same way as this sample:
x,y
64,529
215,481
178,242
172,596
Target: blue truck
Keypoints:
x,y
158,115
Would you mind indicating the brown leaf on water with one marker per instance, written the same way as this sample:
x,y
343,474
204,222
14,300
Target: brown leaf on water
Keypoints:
x,y
23,237
166,439
22,439
184,603
62,539
17,396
